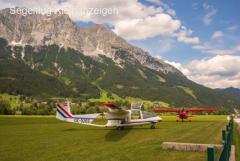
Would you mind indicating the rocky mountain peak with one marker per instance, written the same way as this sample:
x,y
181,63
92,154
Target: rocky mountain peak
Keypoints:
x,y
37,30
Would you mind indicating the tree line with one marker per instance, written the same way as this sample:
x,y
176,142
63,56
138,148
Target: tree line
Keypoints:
x,y
30,106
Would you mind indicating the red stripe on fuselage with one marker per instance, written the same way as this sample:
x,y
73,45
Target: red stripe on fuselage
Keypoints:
x,y
58,105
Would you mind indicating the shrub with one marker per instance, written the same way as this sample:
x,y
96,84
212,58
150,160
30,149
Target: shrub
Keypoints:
x,y
91,110
5,108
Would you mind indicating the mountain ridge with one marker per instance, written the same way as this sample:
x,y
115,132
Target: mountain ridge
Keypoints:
x,y
231,91
59,29
113,66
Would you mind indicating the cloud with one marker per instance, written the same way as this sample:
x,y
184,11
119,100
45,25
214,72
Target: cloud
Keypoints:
x,y
217,34
211,11
158,2
186,37
220,51
134,20
216,49
150,26
164,6
179,66
4,4
237,47
206,6
207,19
127,9
232,28
220,71
171,12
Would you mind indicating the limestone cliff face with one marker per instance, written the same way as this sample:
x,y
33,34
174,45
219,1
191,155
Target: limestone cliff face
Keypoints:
x,y
38,30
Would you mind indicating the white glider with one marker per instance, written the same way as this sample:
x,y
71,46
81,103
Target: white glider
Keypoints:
x,y
116,117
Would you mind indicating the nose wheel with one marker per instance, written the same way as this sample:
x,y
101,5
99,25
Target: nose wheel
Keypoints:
x,y
153,126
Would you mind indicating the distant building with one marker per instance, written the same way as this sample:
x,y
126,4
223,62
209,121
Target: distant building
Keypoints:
x,y
18,113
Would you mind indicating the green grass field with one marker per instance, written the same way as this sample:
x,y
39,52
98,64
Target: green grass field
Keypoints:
x,y
236,140
36,138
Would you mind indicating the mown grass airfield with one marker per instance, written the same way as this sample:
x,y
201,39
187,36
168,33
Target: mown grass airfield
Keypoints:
x,y
29,138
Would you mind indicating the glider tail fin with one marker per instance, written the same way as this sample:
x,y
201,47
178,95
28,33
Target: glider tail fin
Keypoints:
x,y
63,112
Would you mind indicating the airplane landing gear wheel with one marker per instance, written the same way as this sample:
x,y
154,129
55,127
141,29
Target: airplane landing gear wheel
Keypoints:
x,y
153,127
120,128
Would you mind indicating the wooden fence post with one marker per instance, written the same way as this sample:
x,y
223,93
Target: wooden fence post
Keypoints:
x,y
223,136
210,152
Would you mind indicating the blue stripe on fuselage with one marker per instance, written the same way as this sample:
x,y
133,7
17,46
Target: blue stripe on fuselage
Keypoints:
x,y
61,113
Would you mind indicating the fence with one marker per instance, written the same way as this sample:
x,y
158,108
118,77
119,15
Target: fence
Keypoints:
x,y
227,136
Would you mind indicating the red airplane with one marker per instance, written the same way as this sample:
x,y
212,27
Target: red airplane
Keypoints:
x,y
183,113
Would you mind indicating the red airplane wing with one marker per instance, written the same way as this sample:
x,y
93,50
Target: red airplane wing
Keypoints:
x,y
200,109
166,110
185,109
110,105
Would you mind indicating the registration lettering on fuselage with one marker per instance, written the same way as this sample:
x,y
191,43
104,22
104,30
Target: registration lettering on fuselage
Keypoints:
x,y
82,120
